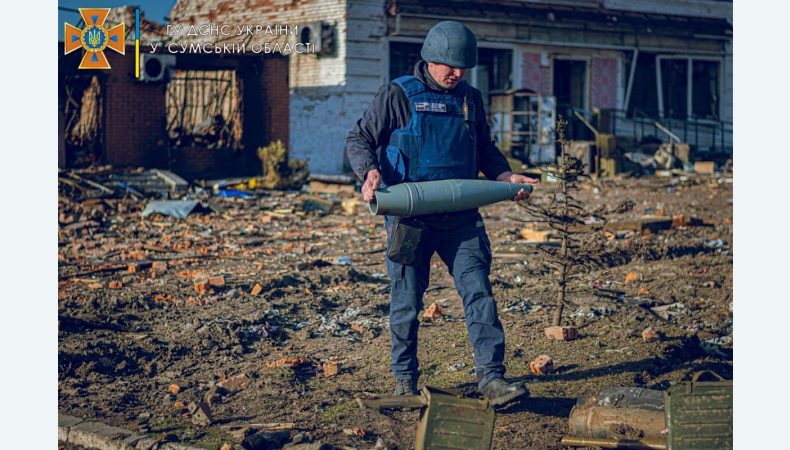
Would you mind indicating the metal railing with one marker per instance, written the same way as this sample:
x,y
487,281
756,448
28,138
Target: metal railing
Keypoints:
x,y
704,135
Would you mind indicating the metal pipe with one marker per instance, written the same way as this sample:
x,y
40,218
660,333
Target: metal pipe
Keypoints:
x,y
667,131
584,121
641,444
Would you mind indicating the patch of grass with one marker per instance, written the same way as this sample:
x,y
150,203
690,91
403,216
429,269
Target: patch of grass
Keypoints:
x,y
335,412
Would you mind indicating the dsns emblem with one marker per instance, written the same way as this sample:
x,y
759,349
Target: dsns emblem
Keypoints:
x,y
94,38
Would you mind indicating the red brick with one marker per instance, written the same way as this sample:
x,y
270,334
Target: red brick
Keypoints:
x,y
561,333
159,266
331,368
256,289
433,312
218,281
650,335
542,365
201,286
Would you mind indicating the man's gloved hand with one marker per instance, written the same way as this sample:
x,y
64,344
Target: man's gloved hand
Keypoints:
x,y
372,182
518,179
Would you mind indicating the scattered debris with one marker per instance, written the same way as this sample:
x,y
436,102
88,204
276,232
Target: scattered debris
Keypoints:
x,y
330,368
542,365
235,383
179,209
201,413
278,172
290,363
561,333
456,367
650,335
632,277
434,311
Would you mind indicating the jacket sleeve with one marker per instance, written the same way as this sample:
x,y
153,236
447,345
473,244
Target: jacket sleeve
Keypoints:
x,y
384,114
490,159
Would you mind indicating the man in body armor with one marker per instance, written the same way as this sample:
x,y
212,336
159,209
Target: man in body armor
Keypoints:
x,y
432,126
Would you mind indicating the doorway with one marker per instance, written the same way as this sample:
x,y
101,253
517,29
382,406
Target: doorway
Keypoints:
x,y
570,89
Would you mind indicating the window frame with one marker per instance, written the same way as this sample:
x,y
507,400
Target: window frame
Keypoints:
x,y
689,84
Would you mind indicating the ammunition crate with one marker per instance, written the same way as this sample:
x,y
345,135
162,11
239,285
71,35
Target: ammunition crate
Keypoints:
x,y
699,414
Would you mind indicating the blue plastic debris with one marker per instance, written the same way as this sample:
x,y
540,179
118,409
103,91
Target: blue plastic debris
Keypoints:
x,y
235,193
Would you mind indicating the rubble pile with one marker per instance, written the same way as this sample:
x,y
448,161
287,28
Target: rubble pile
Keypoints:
x,y
229,313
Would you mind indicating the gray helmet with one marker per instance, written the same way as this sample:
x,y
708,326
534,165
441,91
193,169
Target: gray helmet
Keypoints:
x,y
450,43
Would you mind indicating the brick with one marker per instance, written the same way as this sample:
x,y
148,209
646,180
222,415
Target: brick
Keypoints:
x,y
433,311
631,277
561,333
174,389
256,289
159,266
331,368
644,291
217,281
137,267
115,284
535,235
542,365
201,286
287,362
650,335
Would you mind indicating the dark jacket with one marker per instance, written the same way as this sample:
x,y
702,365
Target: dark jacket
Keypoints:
x,y
389,111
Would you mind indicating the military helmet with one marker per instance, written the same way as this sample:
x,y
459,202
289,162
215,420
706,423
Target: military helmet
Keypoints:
x,y
450,43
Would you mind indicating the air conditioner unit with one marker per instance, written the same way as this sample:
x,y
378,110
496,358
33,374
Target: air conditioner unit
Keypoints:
x,y
156,68
320,34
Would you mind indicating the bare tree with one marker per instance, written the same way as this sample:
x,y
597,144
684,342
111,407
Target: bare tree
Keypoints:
x,y
580,228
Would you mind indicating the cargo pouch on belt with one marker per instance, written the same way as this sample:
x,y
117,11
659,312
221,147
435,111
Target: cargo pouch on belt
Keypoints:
x,y
407,236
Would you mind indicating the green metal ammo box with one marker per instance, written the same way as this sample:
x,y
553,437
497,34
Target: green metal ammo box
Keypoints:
x,y
699,414
454,422
448,421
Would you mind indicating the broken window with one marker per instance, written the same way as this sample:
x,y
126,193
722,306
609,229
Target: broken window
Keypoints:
x,y
674,88
689,88
570,90
494,72
643,100
705,90
403,57
204,109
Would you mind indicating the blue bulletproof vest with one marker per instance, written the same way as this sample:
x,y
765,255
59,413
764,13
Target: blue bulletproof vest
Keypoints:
x,y
438,143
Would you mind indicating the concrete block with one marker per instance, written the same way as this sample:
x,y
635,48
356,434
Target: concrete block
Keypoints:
x,y
99,435
65,422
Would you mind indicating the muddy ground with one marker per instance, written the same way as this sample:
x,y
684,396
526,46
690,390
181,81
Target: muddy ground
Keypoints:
x,y
126,334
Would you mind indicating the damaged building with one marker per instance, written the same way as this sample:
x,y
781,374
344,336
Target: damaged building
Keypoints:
x,y
195,114
631,67
643,71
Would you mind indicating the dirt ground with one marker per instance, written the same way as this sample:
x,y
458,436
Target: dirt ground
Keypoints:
x,y
127,331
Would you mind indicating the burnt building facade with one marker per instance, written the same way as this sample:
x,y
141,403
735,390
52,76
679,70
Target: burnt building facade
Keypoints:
x,y
636,63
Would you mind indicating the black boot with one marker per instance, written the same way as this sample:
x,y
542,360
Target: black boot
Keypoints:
x,y
406,387
498,391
